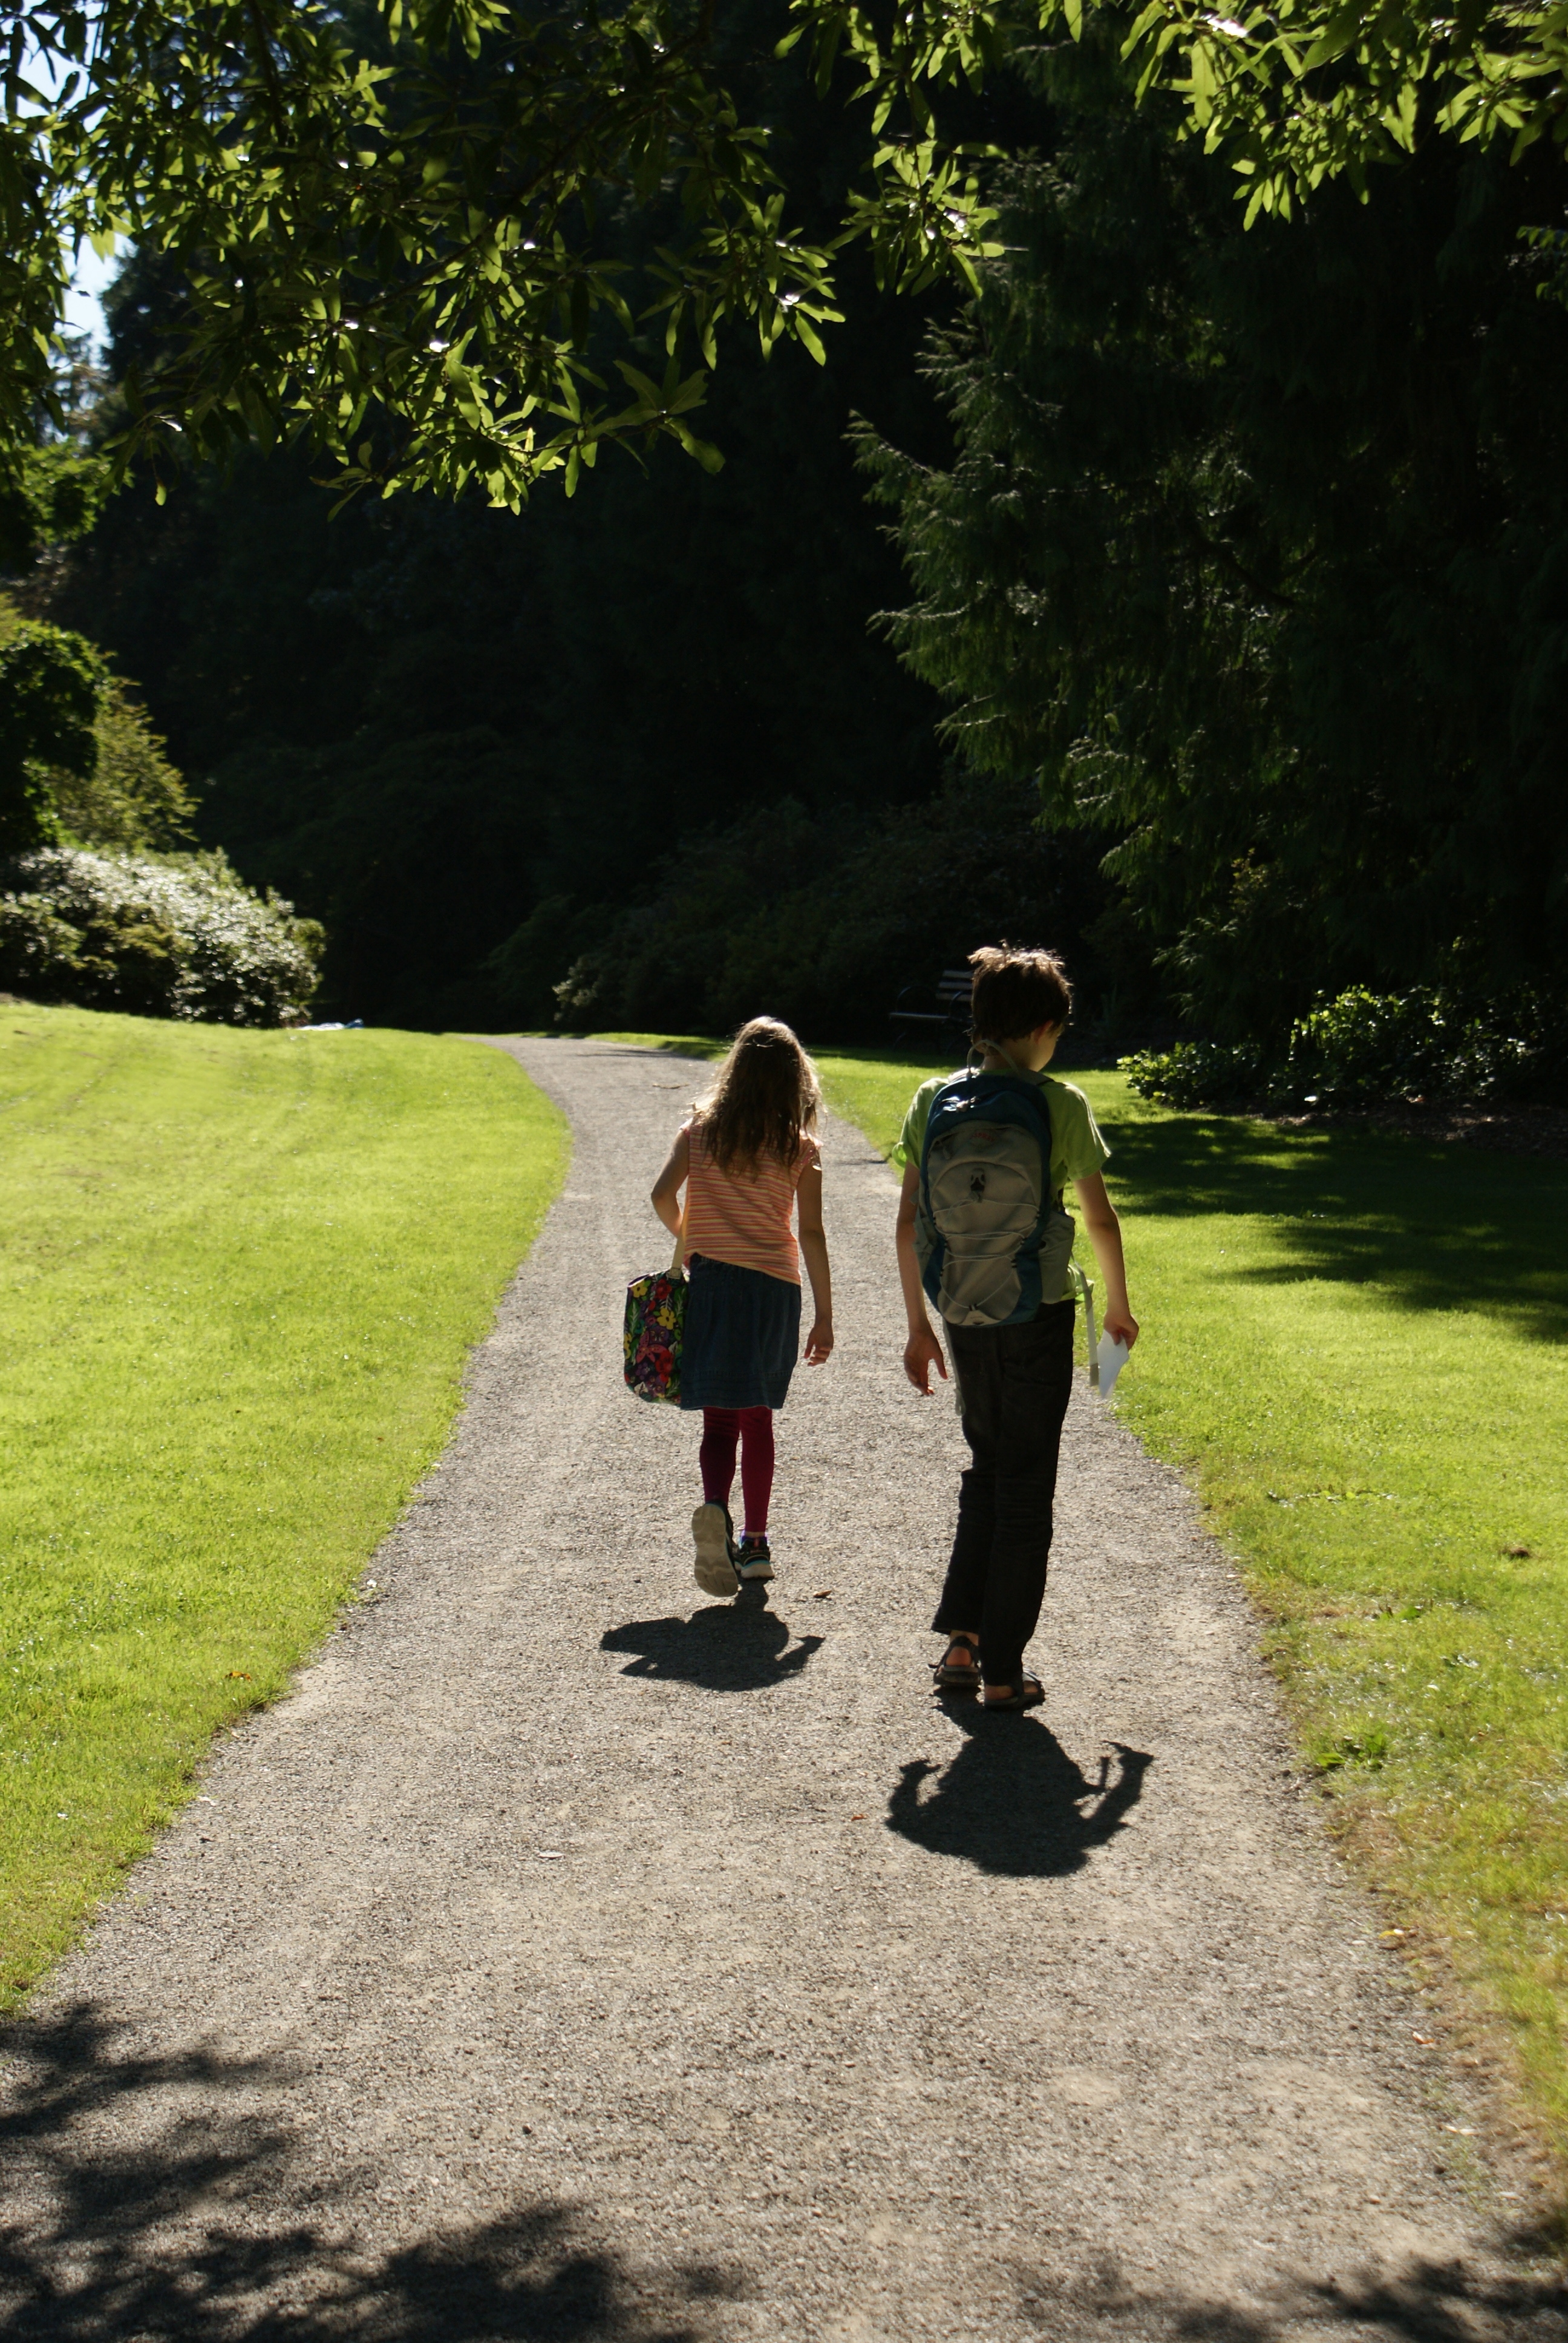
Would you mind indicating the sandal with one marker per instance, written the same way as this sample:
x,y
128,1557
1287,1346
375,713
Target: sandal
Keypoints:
x,y
946,1677
1028,1693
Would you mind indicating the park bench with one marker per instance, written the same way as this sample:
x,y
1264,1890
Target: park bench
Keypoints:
x,y
947,1003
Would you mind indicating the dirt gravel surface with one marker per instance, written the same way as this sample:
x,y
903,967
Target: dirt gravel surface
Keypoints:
x,y
573,1956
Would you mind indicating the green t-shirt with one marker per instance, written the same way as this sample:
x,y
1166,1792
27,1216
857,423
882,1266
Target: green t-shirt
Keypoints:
x,y
1077,1149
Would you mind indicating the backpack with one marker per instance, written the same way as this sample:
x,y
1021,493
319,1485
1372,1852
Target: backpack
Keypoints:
x,y
992,1239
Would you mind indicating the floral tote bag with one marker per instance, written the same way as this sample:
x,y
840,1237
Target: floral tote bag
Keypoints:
x,y
655,1321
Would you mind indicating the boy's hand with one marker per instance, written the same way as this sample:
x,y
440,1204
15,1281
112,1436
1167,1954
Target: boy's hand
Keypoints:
x,y
923,1351
1121,1326
819,1342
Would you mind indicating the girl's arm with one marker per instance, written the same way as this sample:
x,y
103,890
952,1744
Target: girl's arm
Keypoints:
x,y
814,1247
923,1351
1105,1236
670,1181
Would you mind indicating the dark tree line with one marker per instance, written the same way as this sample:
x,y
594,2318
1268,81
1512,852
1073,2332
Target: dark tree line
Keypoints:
x,y
453,734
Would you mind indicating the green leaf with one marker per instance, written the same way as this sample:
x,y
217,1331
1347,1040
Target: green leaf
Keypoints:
x,y
807,333
649,390
711,459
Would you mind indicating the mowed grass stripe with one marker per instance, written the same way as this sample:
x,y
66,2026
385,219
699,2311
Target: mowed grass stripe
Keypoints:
x,y
240,1274
1354,1346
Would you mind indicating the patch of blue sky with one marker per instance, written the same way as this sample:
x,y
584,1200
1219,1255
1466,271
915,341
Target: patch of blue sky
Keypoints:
x,y
85,301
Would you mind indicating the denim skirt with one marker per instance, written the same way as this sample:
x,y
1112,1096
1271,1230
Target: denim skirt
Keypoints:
x,y
742,1336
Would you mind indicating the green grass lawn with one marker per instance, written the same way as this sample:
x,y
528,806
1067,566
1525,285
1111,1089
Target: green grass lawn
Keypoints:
x,y
1354,1346
241,1271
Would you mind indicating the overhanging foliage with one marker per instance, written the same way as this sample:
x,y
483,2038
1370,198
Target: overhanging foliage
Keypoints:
x,y
1292,92
396,231
392,222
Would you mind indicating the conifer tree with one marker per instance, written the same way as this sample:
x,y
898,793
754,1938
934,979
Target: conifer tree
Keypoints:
x,y
1255,549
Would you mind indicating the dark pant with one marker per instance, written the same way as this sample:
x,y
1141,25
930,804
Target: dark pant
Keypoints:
x,y
1014,1383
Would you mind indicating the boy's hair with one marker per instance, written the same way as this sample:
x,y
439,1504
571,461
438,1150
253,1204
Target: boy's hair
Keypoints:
x,y
764,1099
1015,991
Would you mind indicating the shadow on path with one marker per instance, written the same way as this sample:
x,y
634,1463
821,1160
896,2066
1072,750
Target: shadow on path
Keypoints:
x,y
1012,1800
208,2222
1426,2302
211,2224
739,1647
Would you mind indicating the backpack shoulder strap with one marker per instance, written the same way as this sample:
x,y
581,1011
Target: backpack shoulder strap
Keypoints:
x,y
1044,1091
968,1074
1045,1122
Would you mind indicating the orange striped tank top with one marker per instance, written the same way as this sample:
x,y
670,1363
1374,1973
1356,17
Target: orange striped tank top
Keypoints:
x,y
743,1216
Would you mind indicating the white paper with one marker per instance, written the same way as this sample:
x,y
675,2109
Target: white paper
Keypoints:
x,y
1112,1358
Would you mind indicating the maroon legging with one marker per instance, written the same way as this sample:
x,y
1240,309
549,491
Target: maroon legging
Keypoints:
x,y
752,1428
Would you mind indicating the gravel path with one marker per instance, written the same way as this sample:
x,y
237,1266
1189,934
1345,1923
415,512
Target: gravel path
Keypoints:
x,y
574,1957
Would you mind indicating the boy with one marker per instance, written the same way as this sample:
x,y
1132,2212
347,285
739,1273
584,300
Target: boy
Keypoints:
x,y
1014,1379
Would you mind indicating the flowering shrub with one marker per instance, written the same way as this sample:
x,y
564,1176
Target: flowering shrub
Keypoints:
x,y
177,935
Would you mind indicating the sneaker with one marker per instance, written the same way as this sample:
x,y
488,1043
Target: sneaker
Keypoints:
x,y
754,1559
714,1532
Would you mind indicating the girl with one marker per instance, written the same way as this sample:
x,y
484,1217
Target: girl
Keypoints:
x,y
746,1158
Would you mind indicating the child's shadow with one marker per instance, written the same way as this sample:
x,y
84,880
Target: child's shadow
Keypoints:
x,y
739,1647
1012,1801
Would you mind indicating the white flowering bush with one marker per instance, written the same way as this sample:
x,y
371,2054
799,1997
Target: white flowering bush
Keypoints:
x,y
175,935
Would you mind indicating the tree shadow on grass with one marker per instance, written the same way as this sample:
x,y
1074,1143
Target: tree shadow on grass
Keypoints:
x,y
200,2227
739,1647
1437,1227
1012,1801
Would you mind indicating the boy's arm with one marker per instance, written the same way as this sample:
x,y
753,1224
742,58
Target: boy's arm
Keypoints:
x,y
814,1250
923,1351
1105,1236
671,1180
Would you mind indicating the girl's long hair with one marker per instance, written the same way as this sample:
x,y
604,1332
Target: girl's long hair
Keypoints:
x,y
765,1100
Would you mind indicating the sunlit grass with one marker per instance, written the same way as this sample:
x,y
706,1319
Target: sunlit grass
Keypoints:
x,y
240,1275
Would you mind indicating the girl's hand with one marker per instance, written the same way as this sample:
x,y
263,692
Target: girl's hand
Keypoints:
x,y
1121,1326
819,1342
